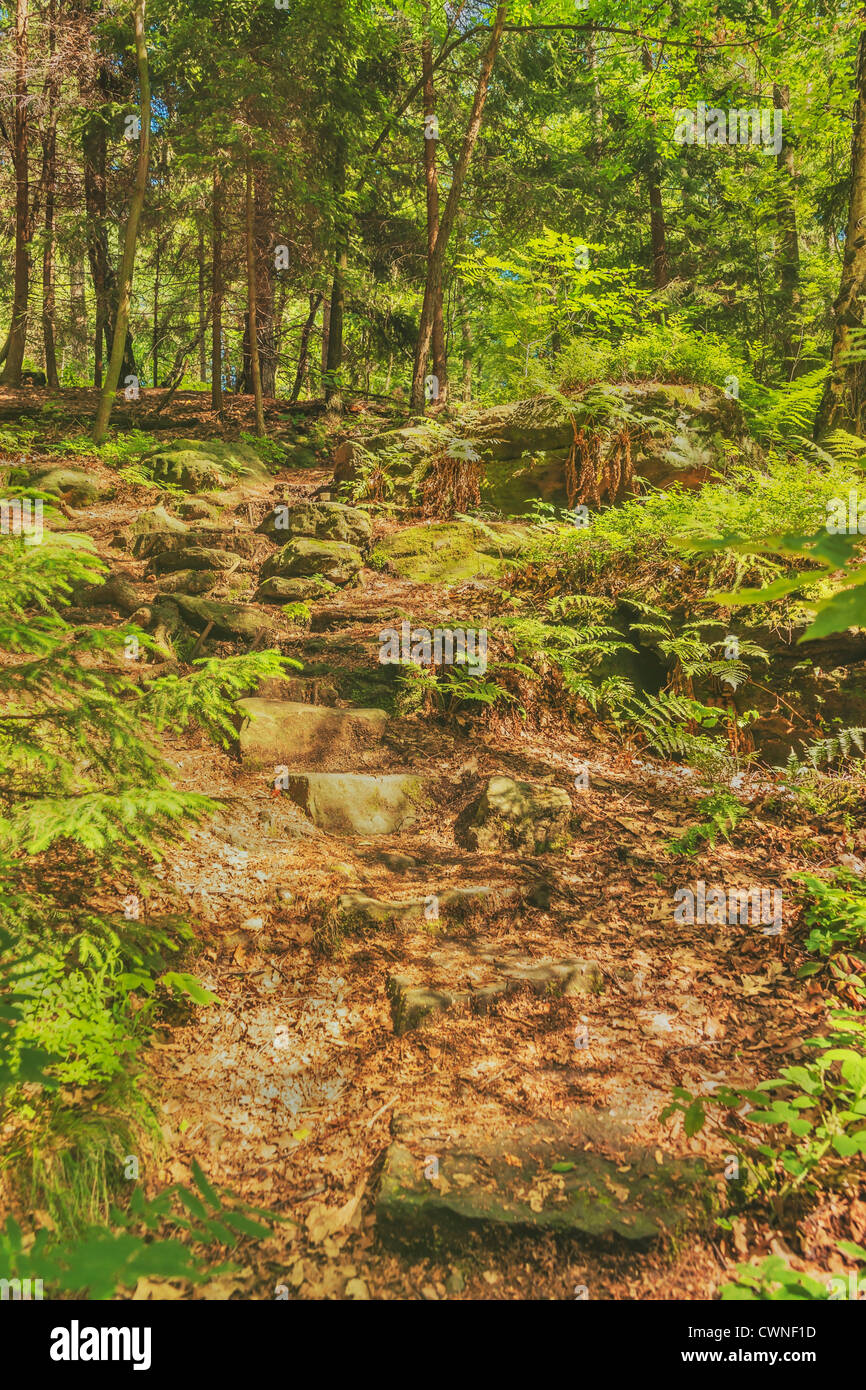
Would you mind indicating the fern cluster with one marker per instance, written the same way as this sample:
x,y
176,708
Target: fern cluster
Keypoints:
x,y
86,802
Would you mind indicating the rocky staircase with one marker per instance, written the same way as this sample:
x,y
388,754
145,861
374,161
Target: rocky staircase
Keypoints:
x,y
375,788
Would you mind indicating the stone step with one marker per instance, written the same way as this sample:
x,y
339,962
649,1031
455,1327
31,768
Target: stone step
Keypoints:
x,y
352,803
147,545
327,618
356,912
516,815
299,735
303,557
548,1177
333,521
194,557
230,621
412,1005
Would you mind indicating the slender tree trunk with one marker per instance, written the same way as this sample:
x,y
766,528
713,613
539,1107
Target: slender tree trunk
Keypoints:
x,y
155,335
334,359
326,334
216,352
658,231
431,179
251,301
789,243
466,331
21,282
597,108
263,237
93,149
304,353
78,306
49,180
843,404
436,262
127,267
202,345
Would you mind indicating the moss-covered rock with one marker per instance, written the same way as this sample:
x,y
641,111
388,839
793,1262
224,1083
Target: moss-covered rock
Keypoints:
x,y
188,582
229,620
72,484
449,552
279,590
516,815
193,557
675,434
201,465
545,1178
297,734
303,556
347,803
322,520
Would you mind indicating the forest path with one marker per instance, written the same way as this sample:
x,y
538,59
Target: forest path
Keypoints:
x,y
401,1158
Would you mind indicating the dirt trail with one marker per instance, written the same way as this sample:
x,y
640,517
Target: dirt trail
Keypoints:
x,y
298,1092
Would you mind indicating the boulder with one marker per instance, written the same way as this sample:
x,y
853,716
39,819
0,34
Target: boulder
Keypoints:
x,y
279,590
217,537
72,484
230,620
322,520
516,815
193,557
298,735
450,552
203,465
156,521
676,434
347,803
547,1177
303,556
188,582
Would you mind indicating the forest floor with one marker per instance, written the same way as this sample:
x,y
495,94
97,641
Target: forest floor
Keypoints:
x,y
296,1092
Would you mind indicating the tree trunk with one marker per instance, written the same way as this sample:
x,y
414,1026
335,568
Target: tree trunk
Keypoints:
x,y
436,262
202,323
251,301
21,284
155,334
93,150
466,331
326,334
216,349
127,267
789,244
658,232
431,179
49,180
334,359
78,306
263,238
842,405
597,109
304,354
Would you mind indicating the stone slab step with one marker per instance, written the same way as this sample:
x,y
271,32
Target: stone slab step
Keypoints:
x,y
299,735
356,912
412,1004
547,1177
351,803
